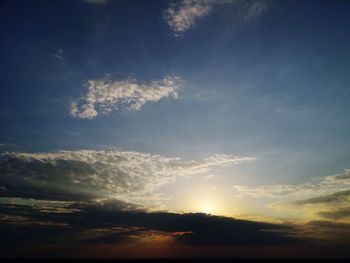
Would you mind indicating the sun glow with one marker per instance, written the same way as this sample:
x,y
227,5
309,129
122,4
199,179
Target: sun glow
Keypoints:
x,y
202,197
207,209
208,203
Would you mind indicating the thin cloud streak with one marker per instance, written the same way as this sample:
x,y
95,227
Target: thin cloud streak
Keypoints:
x,y
327,185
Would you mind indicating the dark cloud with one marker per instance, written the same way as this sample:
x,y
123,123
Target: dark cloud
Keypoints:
x,y
328,233
20,235
46,179
87,174
337,214
198,228
116,221
79,226
123,235
340,196
329,225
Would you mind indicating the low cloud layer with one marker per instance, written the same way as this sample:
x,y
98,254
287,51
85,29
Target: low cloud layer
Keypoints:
x,y
80,228
88,174
327,185
334,206
336,214
328,199
89,199
184,15
337,197
118,223
105,95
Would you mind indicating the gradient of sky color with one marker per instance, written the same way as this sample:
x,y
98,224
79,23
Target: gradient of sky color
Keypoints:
x,y
236,108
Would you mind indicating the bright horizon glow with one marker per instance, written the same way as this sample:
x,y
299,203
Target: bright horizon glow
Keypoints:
x,y
184,124
207,208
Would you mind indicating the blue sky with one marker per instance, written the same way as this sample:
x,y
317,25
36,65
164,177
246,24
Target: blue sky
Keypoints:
x,y
230,107
277,83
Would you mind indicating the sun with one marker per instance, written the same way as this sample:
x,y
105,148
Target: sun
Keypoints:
x,y
207,209
204,201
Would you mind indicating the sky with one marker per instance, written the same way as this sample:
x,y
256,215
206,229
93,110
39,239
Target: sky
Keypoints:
x,y
175,128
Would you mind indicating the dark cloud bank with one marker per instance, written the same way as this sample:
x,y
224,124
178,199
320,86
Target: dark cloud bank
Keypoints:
x,y
58,205
39,230
28,223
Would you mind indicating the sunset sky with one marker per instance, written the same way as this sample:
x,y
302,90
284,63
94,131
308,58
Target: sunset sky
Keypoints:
x,y
181,128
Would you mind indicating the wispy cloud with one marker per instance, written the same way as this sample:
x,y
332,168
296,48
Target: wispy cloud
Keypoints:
x,y
87,174
210,176
105,95
58,54
337,197
333,206
254,10
184,15
327,185
329,198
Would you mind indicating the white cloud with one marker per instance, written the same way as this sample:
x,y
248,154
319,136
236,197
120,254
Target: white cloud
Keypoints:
x,y
96,2
184,15
105,95
88,174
